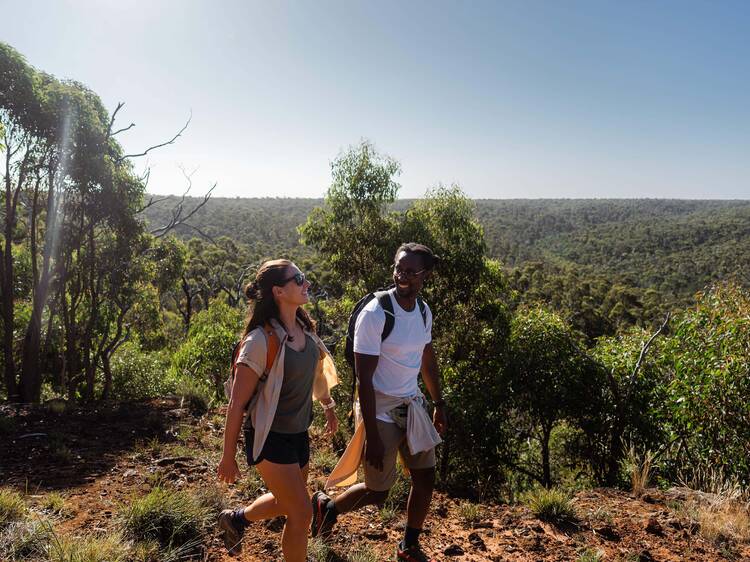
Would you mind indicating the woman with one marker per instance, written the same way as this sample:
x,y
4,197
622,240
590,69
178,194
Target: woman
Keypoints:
x,y
280,406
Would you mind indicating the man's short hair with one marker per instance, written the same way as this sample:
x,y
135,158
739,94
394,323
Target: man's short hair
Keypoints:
x,y
429,259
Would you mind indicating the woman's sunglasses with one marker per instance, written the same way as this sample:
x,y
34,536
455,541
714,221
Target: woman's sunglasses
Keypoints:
x,y
299,279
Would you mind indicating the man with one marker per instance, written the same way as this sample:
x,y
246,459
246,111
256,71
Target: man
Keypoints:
x,y
392,406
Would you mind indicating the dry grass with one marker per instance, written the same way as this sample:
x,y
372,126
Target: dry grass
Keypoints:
x,y
12,507
639,469
470,513
718,505
729,520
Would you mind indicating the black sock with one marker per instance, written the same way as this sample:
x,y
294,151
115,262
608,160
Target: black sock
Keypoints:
x,y
238,518
331,512
411,536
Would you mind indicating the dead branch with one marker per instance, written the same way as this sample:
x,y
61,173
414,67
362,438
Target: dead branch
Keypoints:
x,y
646,346
114,116
179,218
160,145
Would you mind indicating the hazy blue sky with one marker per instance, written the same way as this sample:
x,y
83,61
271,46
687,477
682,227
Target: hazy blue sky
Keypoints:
x,y
508,99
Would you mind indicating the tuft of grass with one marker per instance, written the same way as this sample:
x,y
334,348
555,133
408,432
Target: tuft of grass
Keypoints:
x,y
399,492
24,540
470,513
109,548
250,485
59,450
146,450
601,515
212,498
590,555
362,553
729,520
387,514
193,396
172,518
318,550
12,507
553,505
638,469
144,551
324,459
53,503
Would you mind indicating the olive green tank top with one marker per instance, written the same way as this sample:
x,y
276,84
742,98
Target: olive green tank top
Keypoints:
x,y
294,412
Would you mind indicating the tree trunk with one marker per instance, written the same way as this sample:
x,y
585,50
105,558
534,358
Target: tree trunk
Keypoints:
x,y
31,378
546,472
107,368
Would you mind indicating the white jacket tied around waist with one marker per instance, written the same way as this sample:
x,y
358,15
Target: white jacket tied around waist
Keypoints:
x,y
421,435
263,406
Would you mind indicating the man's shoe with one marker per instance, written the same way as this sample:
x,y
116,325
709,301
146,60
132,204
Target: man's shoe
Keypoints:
x,y
322,522
412,554
231,534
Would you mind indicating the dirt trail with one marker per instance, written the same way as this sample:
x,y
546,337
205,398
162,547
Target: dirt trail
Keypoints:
x,y
100,458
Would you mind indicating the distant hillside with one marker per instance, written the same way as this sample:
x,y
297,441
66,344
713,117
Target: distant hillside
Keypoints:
x,y
673,246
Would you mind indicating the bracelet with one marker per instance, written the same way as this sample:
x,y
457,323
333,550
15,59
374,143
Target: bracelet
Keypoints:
x,y
328,406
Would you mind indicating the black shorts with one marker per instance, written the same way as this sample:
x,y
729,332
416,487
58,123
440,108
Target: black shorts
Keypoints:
x,y
280,448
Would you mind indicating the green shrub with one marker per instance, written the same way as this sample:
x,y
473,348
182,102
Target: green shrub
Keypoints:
x,y
173,518
12,507
708,356
194,395
140,374
204,355
553,505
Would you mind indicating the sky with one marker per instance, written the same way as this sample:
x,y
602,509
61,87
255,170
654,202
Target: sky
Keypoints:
x,y
508,99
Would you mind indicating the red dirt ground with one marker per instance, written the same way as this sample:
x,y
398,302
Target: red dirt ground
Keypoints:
x,y
101,457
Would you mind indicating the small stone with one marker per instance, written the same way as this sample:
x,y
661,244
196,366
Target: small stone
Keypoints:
x,y
477,542
607,532
376,535
654,527
453,550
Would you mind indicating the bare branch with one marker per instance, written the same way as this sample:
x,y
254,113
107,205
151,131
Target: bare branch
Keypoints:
x,y
118,131
645,347
151,203
170,141
114,116
178,219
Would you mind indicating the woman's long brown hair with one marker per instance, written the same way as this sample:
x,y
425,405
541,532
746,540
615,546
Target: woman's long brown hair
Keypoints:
x,y
261,306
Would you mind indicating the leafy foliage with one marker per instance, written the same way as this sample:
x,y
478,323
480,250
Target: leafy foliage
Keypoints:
x,y
709,359
204,355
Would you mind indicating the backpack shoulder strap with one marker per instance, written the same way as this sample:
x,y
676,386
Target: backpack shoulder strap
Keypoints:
x,y
384,299
272,348
422,310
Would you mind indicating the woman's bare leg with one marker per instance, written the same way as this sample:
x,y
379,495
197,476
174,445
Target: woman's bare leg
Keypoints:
x,y
288,487
266,506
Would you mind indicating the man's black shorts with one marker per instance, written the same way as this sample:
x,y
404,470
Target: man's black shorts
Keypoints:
x,y
280,448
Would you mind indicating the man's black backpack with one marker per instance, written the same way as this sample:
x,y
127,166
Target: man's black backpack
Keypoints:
x,y
386,304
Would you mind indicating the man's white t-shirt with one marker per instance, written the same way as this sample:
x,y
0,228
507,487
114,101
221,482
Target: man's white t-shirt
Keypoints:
x,y
400,353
